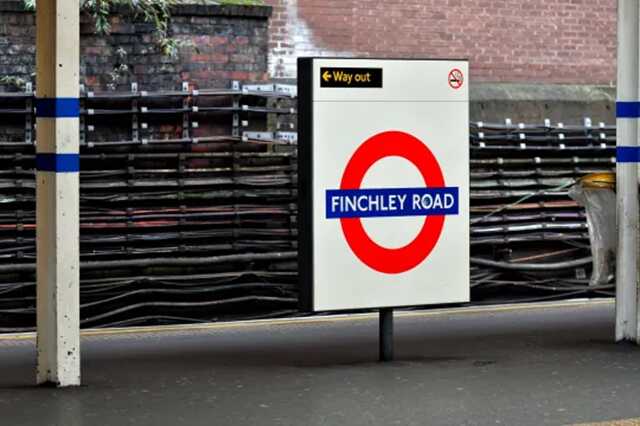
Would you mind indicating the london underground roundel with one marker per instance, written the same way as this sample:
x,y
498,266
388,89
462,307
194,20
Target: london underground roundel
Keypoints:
x,y
383,183
350,203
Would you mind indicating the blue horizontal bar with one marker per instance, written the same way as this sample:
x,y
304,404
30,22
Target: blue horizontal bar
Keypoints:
x,y
391,202
628,109
628,154
61,163
57,107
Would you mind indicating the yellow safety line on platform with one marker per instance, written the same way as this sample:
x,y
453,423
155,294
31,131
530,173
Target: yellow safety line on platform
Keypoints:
x,y
623,422
323,319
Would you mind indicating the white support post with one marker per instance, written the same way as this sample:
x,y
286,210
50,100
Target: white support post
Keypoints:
x,y
57,191
628,112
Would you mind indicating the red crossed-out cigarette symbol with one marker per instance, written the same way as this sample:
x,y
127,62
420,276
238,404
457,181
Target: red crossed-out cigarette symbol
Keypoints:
x,y
456,78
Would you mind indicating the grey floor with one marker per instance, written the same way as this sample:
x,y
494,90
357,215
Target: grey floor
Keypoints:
x,y
552,365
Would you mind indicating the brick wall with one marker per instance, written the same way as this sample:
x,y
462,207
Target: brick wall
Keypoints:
x,y
550,41
221,43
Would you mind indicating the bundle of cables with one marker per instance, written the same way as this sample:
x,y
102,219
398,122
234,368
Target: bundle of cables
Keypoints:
x,y
189,207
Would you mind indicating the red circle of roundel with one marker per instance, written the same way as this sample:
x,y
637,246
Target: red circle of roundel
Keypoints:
x,y
382,259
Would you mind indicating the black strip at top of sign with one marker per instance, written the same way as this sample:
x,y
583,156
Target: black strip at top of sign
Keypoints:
x,y
351,77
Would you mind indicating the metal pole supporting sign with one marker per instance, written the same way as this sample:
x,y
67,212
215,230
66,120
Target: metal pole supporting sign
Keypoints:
x,y
386,334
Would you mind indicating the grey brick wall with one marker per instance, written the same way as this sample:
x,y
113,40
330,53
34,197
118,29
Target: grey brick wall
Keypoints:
x,y
220,43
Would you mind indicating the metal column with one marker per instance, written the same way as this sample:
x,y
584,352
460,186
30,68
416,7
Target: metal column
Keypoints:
x,y
57,191
627,111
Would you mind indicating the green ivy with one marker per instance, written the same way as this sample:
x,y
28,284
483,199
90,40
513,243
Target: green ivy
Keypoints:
x,y
243,2
13,81
156,12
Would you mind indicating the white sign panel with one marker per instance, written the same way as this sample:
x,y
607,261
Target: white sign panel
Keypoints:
x,y
384,183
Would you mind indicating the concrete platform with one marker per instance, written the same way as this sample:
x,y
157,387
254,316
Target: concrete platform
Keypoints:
x,y
554,364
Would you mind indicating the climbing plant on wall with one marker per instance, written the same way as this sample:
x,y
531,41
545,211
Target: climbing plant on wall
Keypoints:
x,y
155,12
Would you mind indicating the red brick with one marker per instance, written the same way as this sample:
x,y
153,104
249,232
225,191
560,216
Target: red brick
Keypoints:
x,y
569,41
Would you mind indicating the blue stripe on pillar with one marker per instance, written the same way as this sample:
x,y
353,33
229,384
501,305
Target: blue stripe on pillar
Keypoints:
x,y
58,163
628,154
58,107
628,109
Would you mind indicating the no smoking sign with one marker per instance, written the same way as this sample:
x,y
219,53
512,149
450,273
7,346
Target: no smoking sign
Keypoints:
x,y
456,78
383,184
